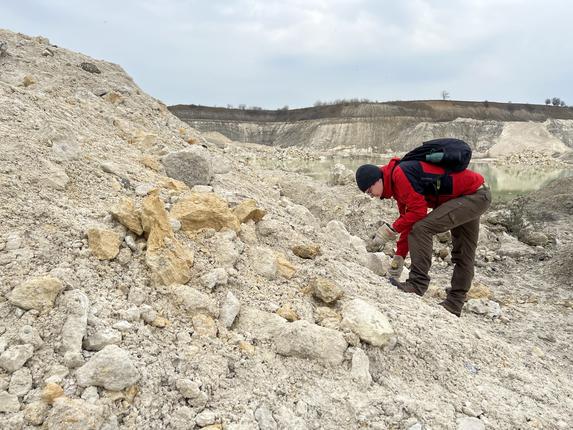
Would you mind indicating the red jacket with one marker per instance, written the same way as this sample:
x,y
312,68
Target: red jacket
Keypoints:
x,y
405,183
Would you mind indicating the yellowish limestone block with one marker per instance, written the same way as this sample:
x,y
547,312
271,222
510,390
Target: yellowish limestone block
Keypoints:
x,y
128,216
204,325
150,162
246,348
306,251
36,293
285,268
174,184
103,243
479,291
51,392
160,322
155,222
28,80
248,210
325,290
166,267
113,97
204,210
288,313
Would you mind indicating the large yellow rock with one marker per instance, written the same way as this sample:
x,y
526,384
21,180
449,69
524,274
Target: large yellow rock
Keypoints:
x,y
248,210
180,251
479,291
169,266
36,293
103,243
128,216
155,222
168,260
204,210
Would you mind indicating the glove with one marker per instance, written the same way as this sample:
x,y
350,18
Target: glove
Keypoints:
x,y
396,267
383,235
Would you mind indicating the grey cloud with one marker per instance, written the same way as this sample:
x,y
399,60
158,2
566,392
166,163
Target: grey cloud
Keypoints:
x,y
271,53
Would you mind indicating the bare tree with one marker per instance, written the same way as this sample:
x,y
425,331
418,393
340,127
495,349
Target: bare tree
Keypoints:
x,y
445,95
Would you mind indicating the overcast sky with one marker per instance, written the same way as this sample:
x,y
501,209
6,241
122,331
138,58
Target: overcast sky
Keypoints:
x,y
272,53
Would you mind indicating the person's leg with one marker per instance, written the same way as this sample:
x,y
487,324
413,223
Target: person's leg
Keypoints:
x,y
447,216
464,240
420,243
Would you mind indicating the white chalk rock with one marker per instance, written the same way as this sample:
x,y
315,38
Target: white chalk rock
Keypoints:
x,y
9,402
102,338
361,368
367,322
305,340
74,329
470,423
21,382
110,368
193,301
15,357
230,310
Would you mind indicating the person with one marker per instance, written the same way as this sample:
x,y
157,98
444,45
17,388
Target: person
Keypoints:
x,y
457,199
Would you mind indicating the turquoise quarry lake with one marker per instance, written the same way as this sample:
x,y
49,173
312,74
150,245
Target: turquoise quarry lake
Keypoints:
x,y
506,181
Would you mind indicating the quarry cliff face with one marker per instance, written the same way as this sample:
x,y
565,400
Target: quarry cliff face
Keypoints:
x,y
394,127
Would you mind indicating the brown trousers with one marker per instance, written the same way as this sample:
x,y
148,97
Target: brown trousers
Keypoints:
x,y
461,216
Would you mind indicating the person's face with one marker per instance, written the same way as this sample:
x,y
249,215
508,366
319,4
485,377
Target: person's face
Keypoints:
x,y
376,189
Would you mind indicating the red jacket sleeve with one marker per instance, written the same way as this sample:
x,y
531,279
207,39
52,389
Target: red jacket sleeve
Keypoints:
x,y
412,207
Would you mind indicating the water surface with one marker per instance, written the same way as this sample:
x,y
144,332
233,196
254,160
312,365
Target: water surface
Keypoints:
x,y
506,182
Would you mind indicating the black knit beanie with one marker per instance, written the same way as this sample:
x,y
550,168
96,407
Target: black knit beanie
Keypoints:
x,y
366,175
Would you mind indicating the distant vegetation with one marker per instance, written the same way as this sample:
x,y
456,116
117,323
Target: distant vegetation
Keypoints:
x,y
555,101
344,102
316,104
445,96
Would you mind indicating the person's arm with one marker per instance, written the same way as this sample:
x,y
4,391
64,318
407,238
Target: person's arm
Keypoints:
x,y
402,245
412,207
402,248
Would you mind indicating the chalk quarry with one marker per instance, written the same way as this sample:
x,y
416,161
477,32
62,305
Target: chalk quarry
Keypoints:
x,y
152,278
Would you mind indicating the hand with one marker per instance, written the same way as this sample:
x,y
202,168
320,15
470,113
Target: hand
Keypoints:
x,y
383,235
396,267
387,232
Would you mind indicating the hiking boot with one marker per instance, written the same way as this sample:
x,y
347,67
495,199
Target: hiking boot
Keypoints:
x,y
405,287
451,308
